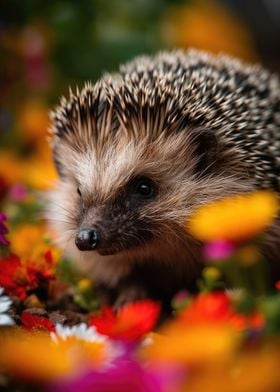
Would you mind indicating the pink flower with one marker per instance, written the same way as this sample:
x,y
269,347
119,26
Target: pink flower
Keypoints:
x,y
18,192
124,375
218,250
3,229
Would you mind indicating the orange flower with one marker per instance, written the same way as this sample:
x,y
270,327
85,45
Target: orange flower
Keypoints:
x,y
234,219
36,171
207,25
39,171
34,121
26,240
11,170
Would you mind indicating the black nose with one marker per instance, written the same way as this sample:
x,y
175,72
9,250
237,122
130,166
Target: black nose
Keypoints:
x,y
87,239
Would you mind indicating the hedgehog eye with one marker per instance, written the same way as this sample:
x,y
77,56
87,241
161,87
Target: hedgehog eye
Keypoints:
x,y
79,192
144,188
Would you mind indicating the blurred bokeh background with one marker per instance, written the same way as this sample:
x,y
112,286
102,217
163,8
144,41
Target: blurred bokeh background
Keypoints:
x,y
48,45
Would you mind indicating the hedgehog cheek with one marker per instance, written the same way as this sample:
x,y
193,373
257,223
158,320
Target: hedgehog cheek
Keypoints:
x,y
122,241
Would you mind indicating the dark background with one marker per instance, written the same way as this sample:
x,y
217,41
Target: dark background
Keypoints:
x,y
48,45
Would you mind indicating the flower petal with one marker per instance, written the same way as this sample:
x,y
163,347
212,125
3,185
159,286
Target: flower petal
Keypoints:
x,y
6,320
5,304
234,219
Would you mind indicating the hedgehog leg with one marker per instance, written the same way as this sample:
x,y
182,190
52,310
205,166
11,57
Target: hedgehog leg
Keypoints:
x,y
130,293
148,280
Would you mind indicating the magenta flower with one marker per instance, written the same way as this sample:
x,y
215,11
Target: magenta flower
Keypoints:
x,y
218,250
3,229
18,192
123,375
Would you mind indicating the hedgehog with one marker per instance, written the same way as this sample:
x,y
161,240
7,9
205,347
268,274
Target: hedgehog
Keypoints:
x,y
140,149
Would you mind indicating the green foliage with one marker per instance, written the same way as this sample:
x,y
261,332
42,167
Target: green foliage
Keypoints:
x,y
87,298
67,272
270,307
90,36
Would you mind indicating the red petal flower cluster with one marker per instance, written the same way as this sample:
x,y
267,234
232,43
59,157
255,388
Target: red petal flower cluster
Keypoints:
x,y
43,269
18,278
130,323
32,322
216,307
14,277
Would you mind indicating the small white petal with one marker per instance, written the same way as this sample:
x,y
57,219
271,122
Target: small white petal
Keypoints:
x,y
6,320
5,304
53,336
89,334
79,331
147,341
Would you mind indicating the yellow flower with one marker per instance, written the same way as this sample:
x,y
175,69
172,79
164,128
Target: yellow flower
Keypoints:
x,y
197,345
211,273
234,219
32,356
84,284
29,243
26,240
38,357
255,371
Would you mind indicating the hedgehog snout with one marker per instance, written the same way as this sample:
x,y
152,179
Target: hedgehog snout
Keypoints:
x,y
87,239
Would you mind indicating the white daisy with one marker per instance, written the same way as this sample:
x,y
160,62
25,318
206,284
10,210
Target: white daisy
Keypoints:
x,y
79,331
89,334
5,303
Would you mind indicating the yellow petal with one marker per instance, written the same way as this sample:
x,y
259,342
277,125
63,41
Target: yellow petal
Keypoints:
x,y
234,219
197,345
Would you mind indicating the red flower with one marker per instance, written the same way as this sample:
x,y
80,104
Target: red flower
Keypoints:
x,y
33,322
42,268
216,307
130,323
241,322
207,307
18,278
13,276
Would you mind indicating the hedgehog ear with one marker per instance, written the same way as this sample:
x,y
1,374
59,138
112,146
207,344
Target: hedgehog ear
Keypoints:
x,y
206,150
